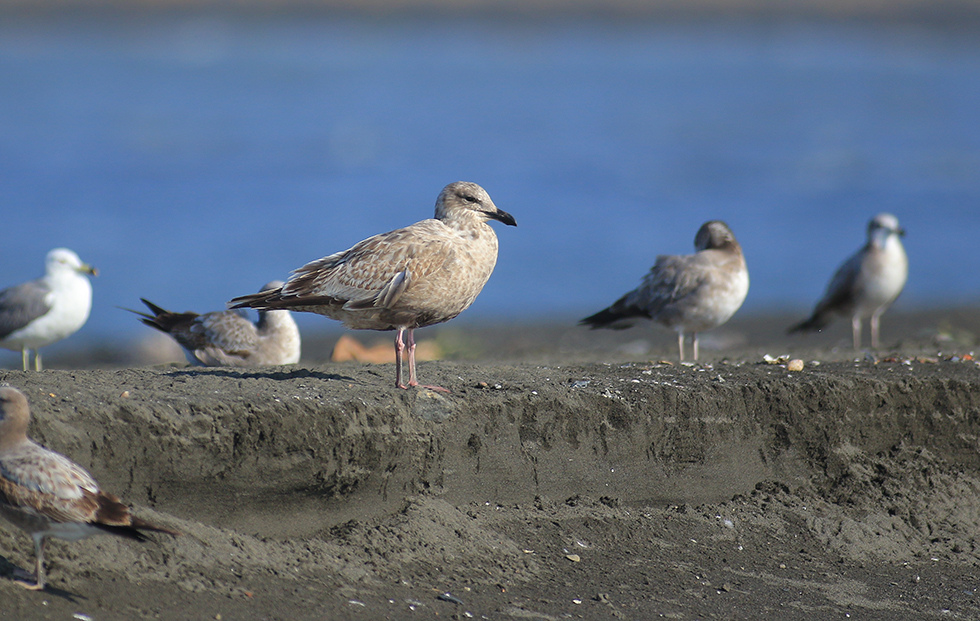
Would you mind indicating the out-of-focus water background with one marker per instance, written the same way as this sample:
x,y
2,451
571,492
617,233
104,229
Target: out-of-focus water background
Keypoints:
x,y
194,157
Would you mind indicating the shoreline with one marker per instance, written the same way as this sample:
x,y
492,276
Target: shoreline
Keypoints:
x,y
747,336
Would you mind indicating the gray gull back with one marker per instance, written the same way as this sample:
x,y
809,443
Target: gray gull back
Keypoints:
x,y
228,338
687,293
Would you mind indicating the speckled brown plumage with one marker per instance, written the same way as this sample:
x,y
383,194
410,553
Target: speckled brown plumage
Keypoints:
x,y
413,277
48,495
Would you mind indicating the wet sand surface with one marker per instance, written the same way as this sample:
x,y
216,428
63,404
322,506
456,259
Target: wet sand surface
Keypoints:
x,y
568,474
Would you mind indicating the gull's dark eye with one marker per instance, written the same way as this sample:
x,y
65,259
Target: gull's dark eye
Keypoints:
x,y
469,198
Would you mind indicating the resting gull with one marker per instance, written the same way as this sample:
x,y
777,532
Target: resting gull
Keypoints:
x,y
867,283
421,275
43,311
228,338
48,495
688,293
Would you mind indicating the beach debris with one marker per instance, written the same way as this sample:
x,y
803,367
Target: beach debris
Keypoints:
x,y
909,360
775,360
575,558
414,603
581,383
449,597
785,361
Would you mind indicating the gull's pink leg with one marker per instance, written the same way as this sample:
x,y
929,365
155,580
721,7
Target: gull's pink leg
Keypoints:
x,y
412,381
856,330
399,348
695,347
38,583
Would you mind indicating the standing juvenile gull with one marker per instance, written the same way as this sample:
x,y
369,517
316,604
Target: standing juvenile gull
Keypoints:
x,y
687,293
43,311
227,338
421,275
48,495
867,283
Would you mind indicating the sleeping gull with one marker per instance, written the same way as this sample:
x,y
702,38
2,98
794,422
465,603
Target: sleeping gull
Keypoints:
x,y
48,495
688,293
867,283
421,275
227,338
43,311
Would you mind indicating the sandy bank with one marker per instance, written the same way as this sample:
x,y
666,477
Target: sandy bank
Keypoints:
x,y
635,489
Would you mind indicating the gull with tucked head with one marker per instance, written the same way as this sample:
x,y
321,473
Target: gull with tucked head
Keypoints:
x,y
43,311
687,293
409,278
48,495
227,338
867,283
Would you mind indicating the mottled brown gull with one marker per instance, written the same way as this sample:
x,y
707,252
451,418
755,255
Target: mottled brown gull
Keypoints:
x,y
421,275
687,293
867,283
48,495
228,338
40,312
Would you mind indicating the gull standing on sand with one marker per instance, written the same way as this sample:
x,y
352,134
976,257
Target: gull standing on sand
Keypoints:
x,y
409,278
43,311
48,495
227,338
867,283
687,293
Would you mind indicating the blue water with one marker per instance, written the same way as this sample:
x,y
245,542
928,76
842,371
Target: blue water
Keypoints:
x,y
193,158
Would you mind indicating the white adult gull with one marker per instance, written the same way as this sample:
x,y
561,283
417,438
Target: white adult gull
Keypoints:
x,y
40,312
228,338
687,293
48,495
409,278
867,283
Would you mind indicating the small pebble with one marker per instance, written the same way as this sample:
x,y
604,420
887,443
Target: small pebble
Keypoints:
x,y
794,365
